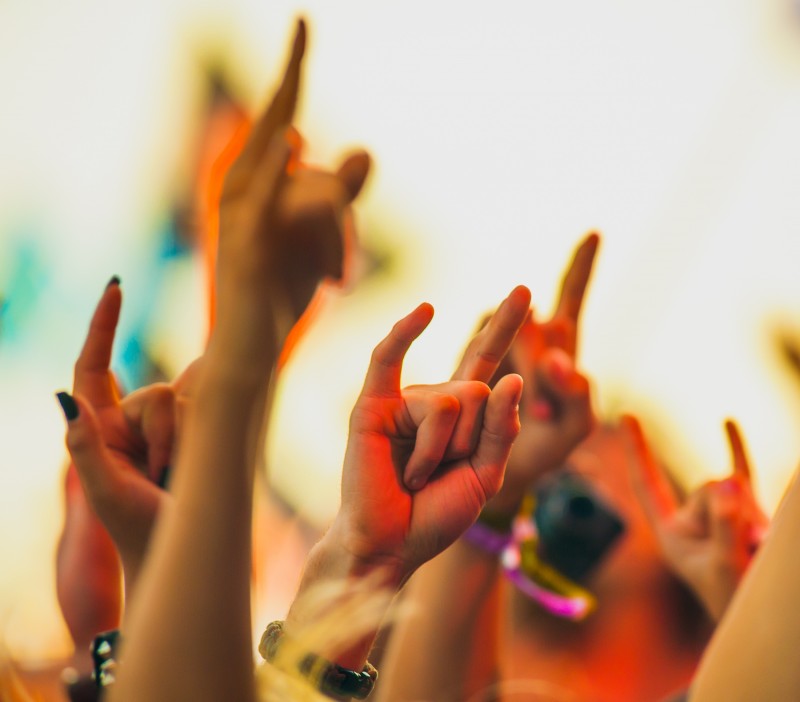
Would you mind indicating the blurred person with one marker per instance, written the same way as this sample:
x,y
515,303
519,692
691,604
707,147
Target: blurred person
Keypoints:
x,y
188,625
476,637
751,654
660,590
709,538
139,429
269,225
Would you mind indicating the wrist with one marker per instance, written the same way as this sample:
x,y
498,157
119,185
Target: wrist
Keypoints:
x,y
232,364
256,313
487,540
341,556
499,512
339,577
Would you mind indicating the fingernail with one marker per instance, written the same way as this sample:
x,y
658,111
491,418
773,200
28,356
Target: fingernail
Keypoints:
x,y
114,281
68,405
163,477
415,483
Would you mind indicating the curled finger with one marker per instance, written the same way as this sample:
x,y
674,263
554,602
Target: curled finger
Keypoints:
x,y
438,413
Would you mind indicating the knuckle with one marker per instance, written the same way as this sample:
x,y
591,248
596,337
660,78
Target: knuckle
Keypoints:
x,y
448,405
163,395
477,391
489,356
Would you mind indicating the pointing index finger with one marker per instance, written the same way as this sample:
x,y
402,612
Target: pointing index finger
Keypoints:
x,y
386,364
277,116
92,377
573,286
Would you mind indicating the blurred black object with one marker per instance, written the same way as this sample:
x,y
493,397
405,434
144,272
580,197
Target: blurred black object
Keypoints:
x,y
576,527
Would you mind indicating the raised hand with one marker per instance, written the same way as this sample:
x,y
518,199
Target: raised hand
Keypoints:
x,y
555,410
123,446
383,522
479,362
708,539
298,215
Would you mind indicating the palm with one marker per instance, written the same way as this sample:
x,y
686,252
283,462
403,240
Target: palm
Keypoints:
x,y
417,525
447,506
421,463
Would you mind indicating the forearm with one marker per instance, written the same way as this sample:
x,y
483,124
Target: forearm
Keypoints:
x,y
330,563
750,655
201,550
447,646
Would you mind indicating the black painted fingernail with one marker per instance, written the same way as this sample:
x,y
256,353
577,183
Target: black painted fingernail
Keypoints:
x,y
68,404
163,477
114,281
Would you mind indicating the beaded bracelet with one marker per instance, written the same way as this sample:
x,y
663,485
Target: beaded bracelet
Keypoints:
x,y
330,678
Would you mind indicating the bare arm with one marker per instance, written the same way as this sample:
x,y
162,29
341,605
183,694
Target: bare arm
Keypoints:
x,y
452,641
188,633
409,486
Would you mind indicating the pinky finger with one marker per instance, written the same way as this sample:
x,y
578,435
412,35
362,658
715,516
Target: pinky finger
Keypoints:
x,y
501,426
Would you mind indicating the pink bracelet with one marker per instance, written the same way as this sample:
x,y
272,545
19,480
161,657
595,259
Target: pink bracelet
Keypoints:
x,y
487,539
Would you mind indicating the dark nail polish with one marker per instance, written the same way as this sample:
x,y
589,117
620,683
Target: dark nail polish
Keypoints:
x,y
114,281
163,477
68,404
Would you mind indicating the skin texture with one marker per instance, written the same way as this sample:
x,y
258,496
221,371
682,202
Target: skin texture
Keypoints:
x,y
386,527
453,644
188,630
199,555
